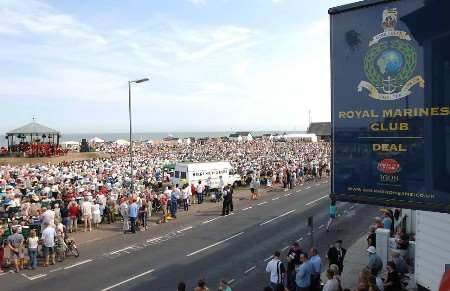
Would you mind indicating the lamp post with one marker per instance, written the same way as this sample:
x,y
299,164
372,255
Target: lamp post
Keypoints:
x,y
131,141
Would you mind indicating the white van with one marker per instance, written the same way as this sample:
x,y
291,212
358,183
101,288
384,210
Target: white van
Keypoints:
x,y
194,172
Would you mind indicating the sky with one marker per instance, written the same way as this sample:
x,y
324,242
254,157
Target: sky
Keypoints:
x,y
213,65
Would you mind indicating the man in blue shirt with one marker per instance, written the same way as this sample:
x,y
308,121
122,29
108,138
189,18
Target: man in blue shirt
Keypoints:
x,y
304,272
316,265
387,221
132,214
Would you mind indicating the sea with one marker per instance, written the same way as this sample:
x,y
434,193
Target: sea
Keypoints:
x,y
144,136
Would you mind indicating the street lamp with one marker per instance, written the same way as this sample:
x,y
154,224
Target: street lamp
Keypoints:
x,y
131,141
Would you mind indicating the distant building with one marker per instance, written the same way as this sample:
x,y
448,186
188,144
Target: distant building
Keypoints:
x,y
241,136
321,129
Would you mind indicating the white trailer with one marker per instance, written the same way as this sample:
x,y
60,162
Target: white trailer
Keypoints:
x,y
191,173
432,248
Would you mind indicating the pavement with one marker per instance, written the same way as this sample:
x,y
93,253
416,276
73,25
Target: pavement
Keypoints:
x,y
202,244
355,261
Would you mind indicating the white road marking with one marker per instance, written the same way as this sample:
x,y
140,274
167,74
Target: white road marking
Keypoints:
x,y
247,208
56,270
309,187
77,264
314,201
184,229
309,234
276,198
34,277
299,190
154,239
285,248
339,215
288,194
214,244
249,270
275,218
231,281
318,184
211,220
352,207
128,280
268,259
300,239
121,250
321,226
262,203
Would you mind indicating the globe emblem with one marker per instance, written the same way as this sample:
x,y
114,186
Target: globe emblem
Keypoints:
x,y
390,62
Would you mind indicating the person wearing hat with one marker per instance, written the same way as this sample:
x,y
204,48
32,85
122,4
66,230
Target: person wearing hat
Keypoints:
x,y
336,254
375,262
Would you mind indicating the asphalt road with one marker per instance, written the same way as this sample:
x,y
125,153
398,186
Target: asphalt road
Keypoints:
x,y
205,245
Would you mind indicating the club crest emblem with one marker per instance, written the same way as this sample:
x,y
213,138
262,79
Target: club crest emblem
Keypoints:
x,y
390,62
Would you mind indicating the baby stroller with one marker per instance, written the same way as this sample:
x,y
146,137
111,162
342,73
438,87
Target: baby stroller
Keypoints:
x,y
216,196
156,205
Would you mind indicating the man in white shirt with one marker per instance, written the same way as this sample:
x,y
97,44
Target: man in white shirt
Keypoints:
x,y
123,209
277,271
208,186
199,189
47,218
86,212
48,243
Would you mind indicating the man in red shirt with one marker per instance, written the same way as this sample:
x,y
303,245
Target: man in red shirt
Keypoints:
x,y
73,215
194,192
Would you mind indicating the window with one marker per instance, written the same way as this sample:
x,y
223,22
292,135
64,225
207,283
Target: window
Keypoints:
x,y
183,175
177,174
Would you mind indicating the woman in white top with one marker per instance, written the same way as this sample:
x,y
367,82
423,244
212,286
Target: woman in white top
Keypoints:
x,y
96,218
32,249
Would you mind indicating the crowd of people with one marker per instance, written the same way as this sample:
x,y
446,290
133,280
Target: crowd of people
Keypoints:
x,y
91,192
396,269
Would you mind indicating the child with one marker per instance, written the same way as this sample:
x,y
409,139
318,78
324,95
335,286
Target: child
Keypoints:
x,y
60,246
32,249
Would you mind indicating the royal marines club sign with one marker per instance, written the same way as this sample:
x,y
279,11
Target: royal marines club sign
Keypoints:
x,y
381,107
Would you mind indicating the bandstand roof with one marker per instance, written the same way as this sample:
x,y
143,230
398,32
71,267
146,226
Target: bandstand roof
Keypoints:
x,y
33,128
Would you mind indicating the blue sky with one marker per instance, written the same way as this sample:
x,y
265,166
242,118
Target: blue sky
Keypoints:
x,y
213,65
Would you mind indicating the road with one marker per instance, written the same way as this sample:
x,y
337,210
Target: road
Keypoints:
x,y
205,245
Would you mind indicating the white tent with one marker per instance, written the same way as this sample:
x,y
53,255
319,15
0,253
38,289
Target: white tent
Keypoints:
x,y
71,142
239,138
180,141
149,142
122,142
187,141
249,137
96,140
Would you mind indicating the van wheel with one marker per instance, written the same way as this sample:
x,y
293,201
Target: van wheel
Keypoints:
x,y
235,184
